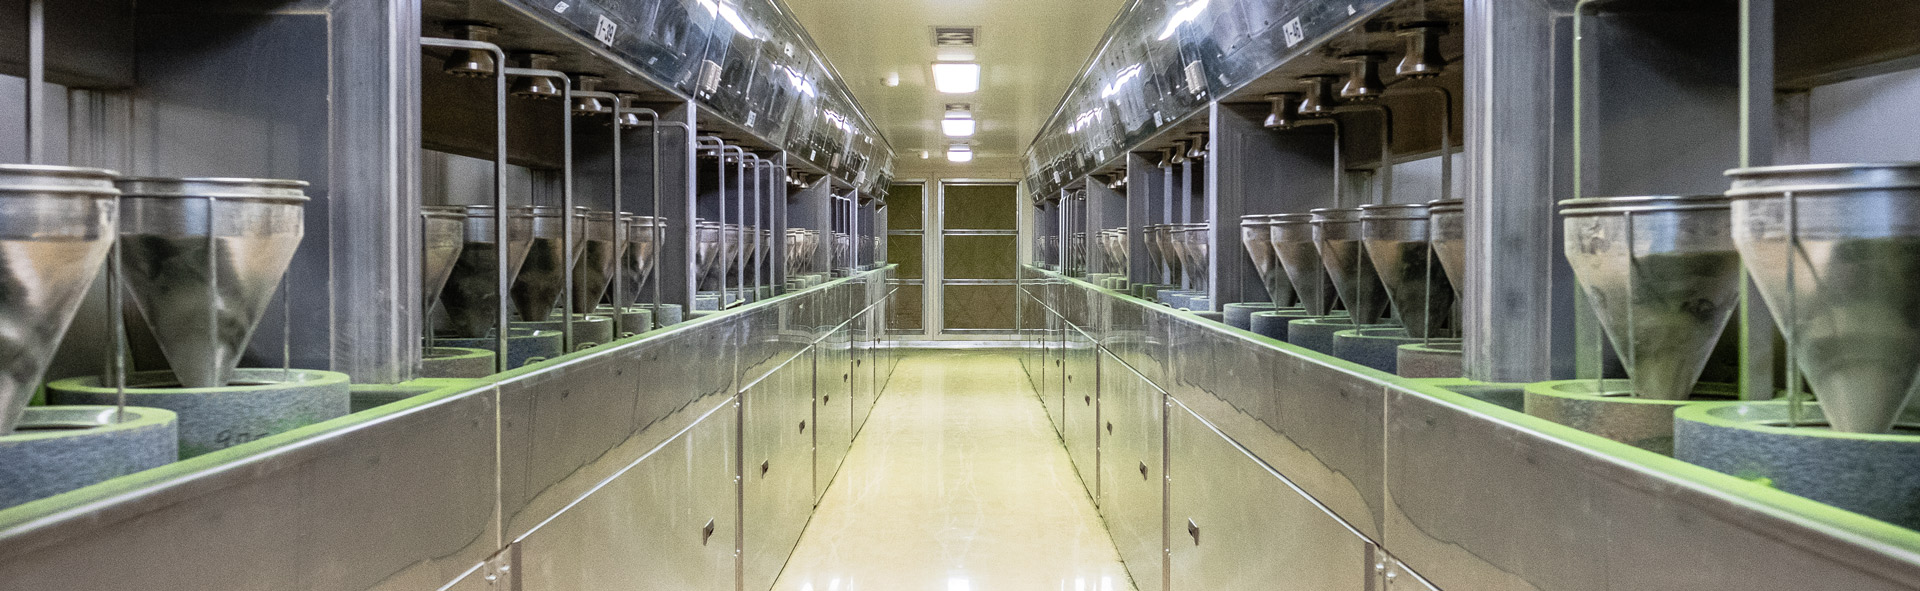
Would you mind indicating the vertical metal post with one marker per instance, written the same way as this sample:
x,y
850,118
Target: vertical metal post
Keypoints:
x,y
621,233
567,221
36,81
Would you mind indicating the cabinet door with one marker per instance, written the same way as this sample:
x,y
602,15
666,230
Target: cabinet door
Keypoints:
x,y
1081,408
667,523
778,460
832,406
1053,378
1131,481
865,385
1232,524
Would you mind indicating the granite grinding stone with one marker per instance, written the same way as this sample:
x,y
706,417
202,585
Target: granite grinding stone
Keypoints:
x,y
1877,475
44,462
261,402
1439,358
1240,314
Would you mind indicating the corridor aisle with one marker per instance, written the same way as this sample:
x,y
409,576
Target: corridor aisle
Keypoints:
x,y
957,483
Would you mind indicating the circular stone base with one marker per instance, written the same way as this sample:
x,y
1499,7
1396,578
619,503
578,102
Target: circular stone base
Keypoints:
x,y
456,362
1240,315
669,314
258,403
524,345
1273,324
1317,333
1645,423
1877,475
1178,298
636,320
56,449
1149,291
588,330
1378,348
1439,358
1200,303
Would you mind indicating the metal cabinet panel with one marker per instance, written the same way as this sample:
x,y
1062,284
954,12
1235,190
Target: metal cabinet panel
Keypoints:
x,y
1053,373
1132,480
777,461
832,406
1080,408
666,521
866,384
1233,524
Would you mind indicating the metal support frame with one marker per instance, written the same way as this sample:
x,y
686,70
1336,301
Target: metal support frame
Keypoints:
x,y
502,284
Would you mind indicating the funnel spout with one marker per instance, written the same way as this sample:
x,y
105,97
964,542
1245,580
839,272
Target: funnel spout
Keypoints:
x,y
472,295
1298,255
1396,238
56,228
203,258
1336,232
1663,276
1834,249
1256,234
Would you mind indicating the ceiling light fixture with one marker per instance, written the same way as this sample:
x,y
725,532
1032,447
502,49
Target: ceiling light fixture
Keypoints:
x,y
956,77
959,153
959,121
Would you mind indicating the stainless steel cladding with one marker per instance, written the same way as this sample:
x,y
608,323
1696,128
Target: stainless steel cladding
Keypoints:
x,y
1299,256
1834,249
203,258
1398,243
472,294
1336,232
1663,276
56,227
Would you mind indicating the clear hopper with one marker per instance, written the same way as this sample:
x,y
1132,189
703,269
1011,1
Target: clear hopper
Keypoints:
x,y
56,228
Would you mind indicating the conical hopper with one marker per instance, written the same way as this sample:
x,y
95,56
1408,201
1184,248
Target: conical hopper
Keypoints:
x,y
1298,255
1161,241
1663,276
1336,232
637,259
1198,261
1256,234
202,259
442,231
1448,220
1156,265
544,274
1846,299
706,254
56,227
472,292
599,241
1396,239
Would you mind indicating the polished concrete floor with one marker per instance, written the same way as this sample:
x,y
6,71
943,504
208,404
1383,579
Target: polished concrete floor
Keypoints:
x,y
957,483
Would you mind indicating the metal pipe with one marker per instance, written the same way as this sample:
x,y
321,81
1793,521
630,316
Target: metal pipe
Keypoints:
x,y
1386,146
36,82
502,284
566,199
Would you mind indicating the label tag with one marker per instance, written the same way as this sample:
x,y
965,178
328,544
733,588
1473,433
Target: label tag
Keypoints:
x,y
561,7
1294,32
605,31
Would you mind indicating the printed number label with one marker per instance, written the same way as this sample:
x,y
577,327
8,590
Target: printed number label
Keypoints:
x,y
604,32
1295,33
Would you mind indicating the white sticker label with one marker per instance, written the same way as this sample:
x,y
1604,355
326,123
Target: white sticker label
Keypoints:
x,y
751,115
604,32
1294,32
1350,10
561,7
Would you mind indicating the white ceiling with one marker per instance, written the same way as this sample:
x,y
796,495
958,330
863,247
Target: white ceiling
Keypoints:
x,y
1029,51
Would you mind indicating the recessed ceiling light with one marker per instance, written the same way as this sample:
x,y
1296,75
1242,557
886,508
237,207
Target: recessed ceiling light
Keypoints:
x,y
956,77
959,153
958,122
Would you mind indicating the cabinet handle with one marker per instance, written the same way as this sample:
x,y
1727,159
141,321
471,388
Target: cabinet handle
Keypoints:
x,y
1143,470
706,533
1193,529
1089,400
803,426
763,467
1109,427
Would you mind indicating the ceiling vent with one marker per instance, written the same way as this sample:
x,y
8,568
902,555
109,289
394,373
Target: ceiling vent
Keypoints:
x,y
954,37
